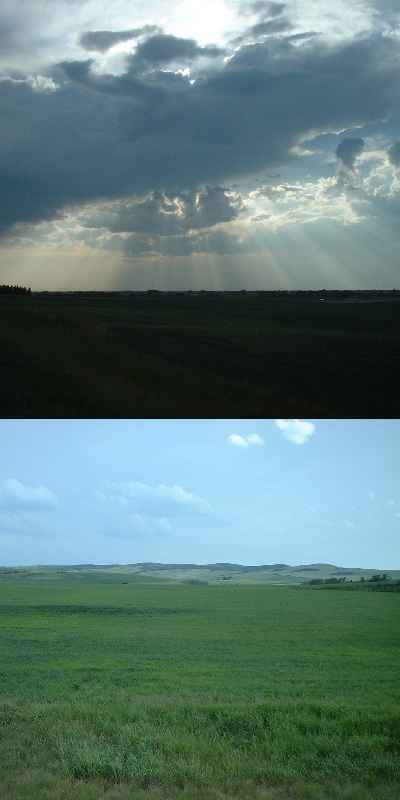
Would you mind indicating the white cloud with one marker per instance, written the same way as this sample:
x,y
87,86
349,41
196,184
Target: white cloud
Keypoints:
x,y
18,495
297,431
371,495
162,500
238,441
255,439
252,439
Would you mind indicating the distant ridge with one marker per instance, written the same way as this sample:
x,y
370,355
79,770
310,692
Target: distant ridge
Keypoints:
x,y
221,572
333,295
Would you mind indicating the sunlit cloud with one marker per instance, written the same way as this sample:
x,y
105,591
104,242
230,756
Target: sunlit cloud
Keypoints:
x,y
296,431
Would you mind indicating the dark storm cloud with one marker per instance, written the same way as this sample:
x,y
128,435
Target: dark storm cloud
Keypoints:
x,y
180,245
103,40
348,151
270,21
211,207
126,85
394,154
262,29
106,136
163,49
168,214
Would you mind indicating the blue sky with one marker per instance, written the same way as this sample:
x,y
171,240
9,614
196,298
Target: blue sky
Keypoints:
x,y
173,144
255,492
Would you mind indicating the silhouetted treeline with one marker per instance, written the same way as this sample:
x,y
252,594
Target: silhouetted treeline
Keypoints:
x,y
8,289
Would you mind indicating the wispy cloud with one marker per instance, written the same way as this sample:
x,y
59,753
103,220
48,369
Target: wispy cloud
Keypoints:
x,y
139,525
297,431
163,499
251,440
17,495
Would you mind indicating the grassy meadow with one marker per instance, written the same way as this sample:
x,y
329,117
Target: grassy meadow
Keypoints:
x,y
213,355
120,687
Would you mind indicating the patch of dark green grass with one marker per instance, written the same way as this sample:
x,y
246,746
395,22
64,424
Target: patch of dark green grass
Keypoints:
x,y
91,610
169,356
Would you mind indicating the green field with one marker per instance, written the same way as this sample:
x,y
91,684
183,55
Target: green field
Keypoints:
x,y
217,355
115,688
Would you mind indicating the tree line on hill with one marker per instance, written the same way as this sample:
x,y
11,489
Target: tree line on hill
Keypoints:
x,y
8,289
377,582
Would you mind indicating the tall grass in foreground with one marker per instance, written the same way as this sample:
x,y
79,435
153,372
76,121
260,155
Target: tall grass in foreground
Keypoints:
x,y
171,693
207,746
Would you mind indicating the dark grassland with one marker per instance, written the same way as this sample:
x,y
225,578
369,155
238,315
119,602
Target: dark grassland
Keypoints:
x,y
217,355
161,691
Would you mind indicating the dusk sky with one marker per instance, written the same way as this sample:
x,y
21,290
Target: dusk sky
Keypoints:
x,y
268,491
221,144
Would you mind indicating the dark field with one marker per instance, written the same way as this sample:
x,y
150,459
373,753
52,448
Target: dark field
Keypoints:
x,y
153,691
208,355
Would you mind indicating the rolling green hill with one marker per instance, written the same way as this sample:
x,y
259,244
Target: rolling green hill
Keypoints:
x,y
204,573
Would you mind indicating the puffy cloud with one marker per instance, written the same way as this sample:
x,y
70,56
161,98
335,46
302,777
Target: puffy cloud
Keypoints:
x,y
17,495
237,440
297,431
348,151
252,439
104,40
166,214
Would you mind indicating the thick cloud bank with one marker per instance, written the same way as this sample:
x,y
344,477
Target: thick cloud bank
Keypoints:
x,y
101,135
184,140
